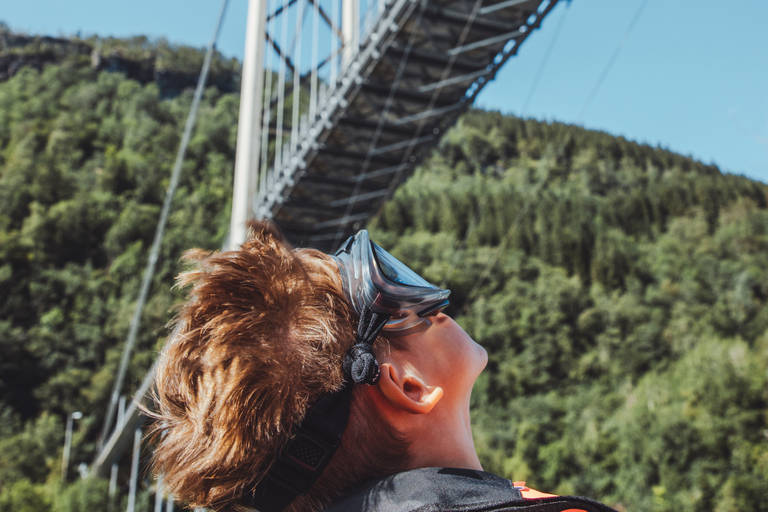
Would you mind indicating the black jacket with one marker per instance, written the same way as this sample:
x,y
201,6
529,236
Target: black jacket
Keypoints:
x,y
451,490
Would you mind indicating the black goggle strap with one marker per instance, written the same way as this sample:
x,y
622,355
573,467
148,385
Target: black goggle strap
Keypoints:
x,y
315,441
360,363
302,462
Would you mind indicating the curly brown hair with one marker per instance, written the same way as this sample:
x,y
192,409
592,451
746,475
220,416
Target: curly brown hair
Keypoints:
x,y
260,339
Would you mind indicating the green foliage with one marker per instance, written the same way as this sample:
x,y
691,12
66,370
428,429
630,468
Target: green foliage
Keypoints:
x,y
619,289
85,159
31,453
80,496
620,292
173,68
84,496
24,496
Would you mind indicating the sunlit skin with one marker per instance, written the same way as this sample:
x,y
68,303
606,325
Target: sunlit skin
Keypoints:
x,y
424,392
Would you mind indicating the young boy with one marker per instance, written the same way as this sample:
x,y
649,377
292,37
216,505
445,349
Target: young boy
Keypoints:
x,y
299,381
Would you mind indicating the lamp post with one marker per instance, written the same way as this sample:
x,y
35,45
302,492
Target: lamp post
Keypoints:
x,y
68,443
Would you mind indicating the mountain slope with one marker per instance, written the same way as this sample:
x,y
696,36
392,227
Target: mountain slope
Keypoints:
x,y
620,289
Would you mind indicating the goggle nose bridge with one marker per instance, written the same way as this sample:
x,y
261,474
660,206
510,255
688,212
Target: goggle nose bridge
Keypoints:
x,y
346,246
433,310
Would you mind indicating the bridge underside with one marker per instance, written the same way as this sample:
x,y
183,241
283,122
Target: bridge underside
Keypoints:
x,y
420,67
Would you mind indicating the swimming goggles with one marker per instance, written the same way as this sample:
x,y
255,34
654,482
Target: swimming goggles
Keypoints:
x,y
374,278
387,296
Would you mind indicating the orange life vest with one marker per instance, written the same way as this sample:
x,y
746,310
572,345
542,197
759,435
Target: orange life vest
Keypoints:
x,y
532,494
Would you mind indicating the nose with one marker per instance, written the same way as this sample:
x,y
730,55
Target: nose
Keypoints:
x,y
441,317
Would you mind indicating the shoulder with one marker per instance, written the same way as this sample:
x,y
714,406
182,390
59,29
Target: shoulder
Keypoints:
x,y
454,490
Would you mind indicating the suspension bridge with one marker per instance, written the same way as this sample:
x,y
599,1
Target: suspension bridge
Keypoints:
x,y
340,101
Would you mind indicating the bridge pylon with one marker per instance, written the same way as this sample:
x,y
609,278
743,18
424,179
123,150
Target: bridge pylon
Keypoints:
x,y
348,126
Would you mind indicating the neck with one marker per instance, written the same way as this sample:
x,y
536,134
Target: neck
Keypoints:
x,y
445,441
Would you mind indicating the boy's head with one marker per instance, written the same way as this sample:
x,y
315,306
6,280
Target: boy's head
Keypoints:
x,y
260,340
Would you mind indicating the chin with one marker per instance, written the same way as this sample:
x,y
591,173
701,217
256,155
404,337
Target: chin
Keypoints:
x,y
479,361
484,356
483,359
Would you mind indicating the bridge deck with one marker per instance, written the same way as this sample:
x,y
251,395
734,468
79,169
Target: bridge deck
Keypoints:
x,y
420,67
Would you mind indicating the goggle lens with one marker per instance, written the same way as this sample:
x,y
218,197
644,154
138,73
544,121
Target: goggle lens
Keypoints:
x,y
394,270
375,279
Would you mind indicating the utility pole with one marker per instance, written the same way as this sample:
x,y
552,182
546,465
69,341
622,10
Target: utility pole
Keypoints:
x,y
133,485
68,444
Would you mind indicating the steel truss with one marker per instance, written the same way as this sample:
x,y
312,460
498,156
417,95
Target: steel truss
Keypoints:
x,y
419,67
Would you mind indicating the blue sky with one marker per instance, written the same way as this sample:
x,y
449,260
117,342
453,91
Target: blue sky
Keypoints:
x,y
692,75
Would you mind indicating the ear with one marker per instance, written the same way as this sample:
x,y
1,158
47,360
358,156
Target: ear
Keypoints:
x,y
406,391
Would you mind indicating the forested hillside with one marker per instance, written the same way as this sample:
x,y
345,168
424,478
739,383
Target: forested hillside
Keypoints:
x,y
620,289
85,159
623,309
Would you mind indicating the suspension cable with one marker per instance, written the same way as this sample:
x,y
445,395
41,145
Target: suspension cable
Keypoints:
x,y
545,60
487,190
296,93
612,60
388,104
535,191
280,101
266,114
158,240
